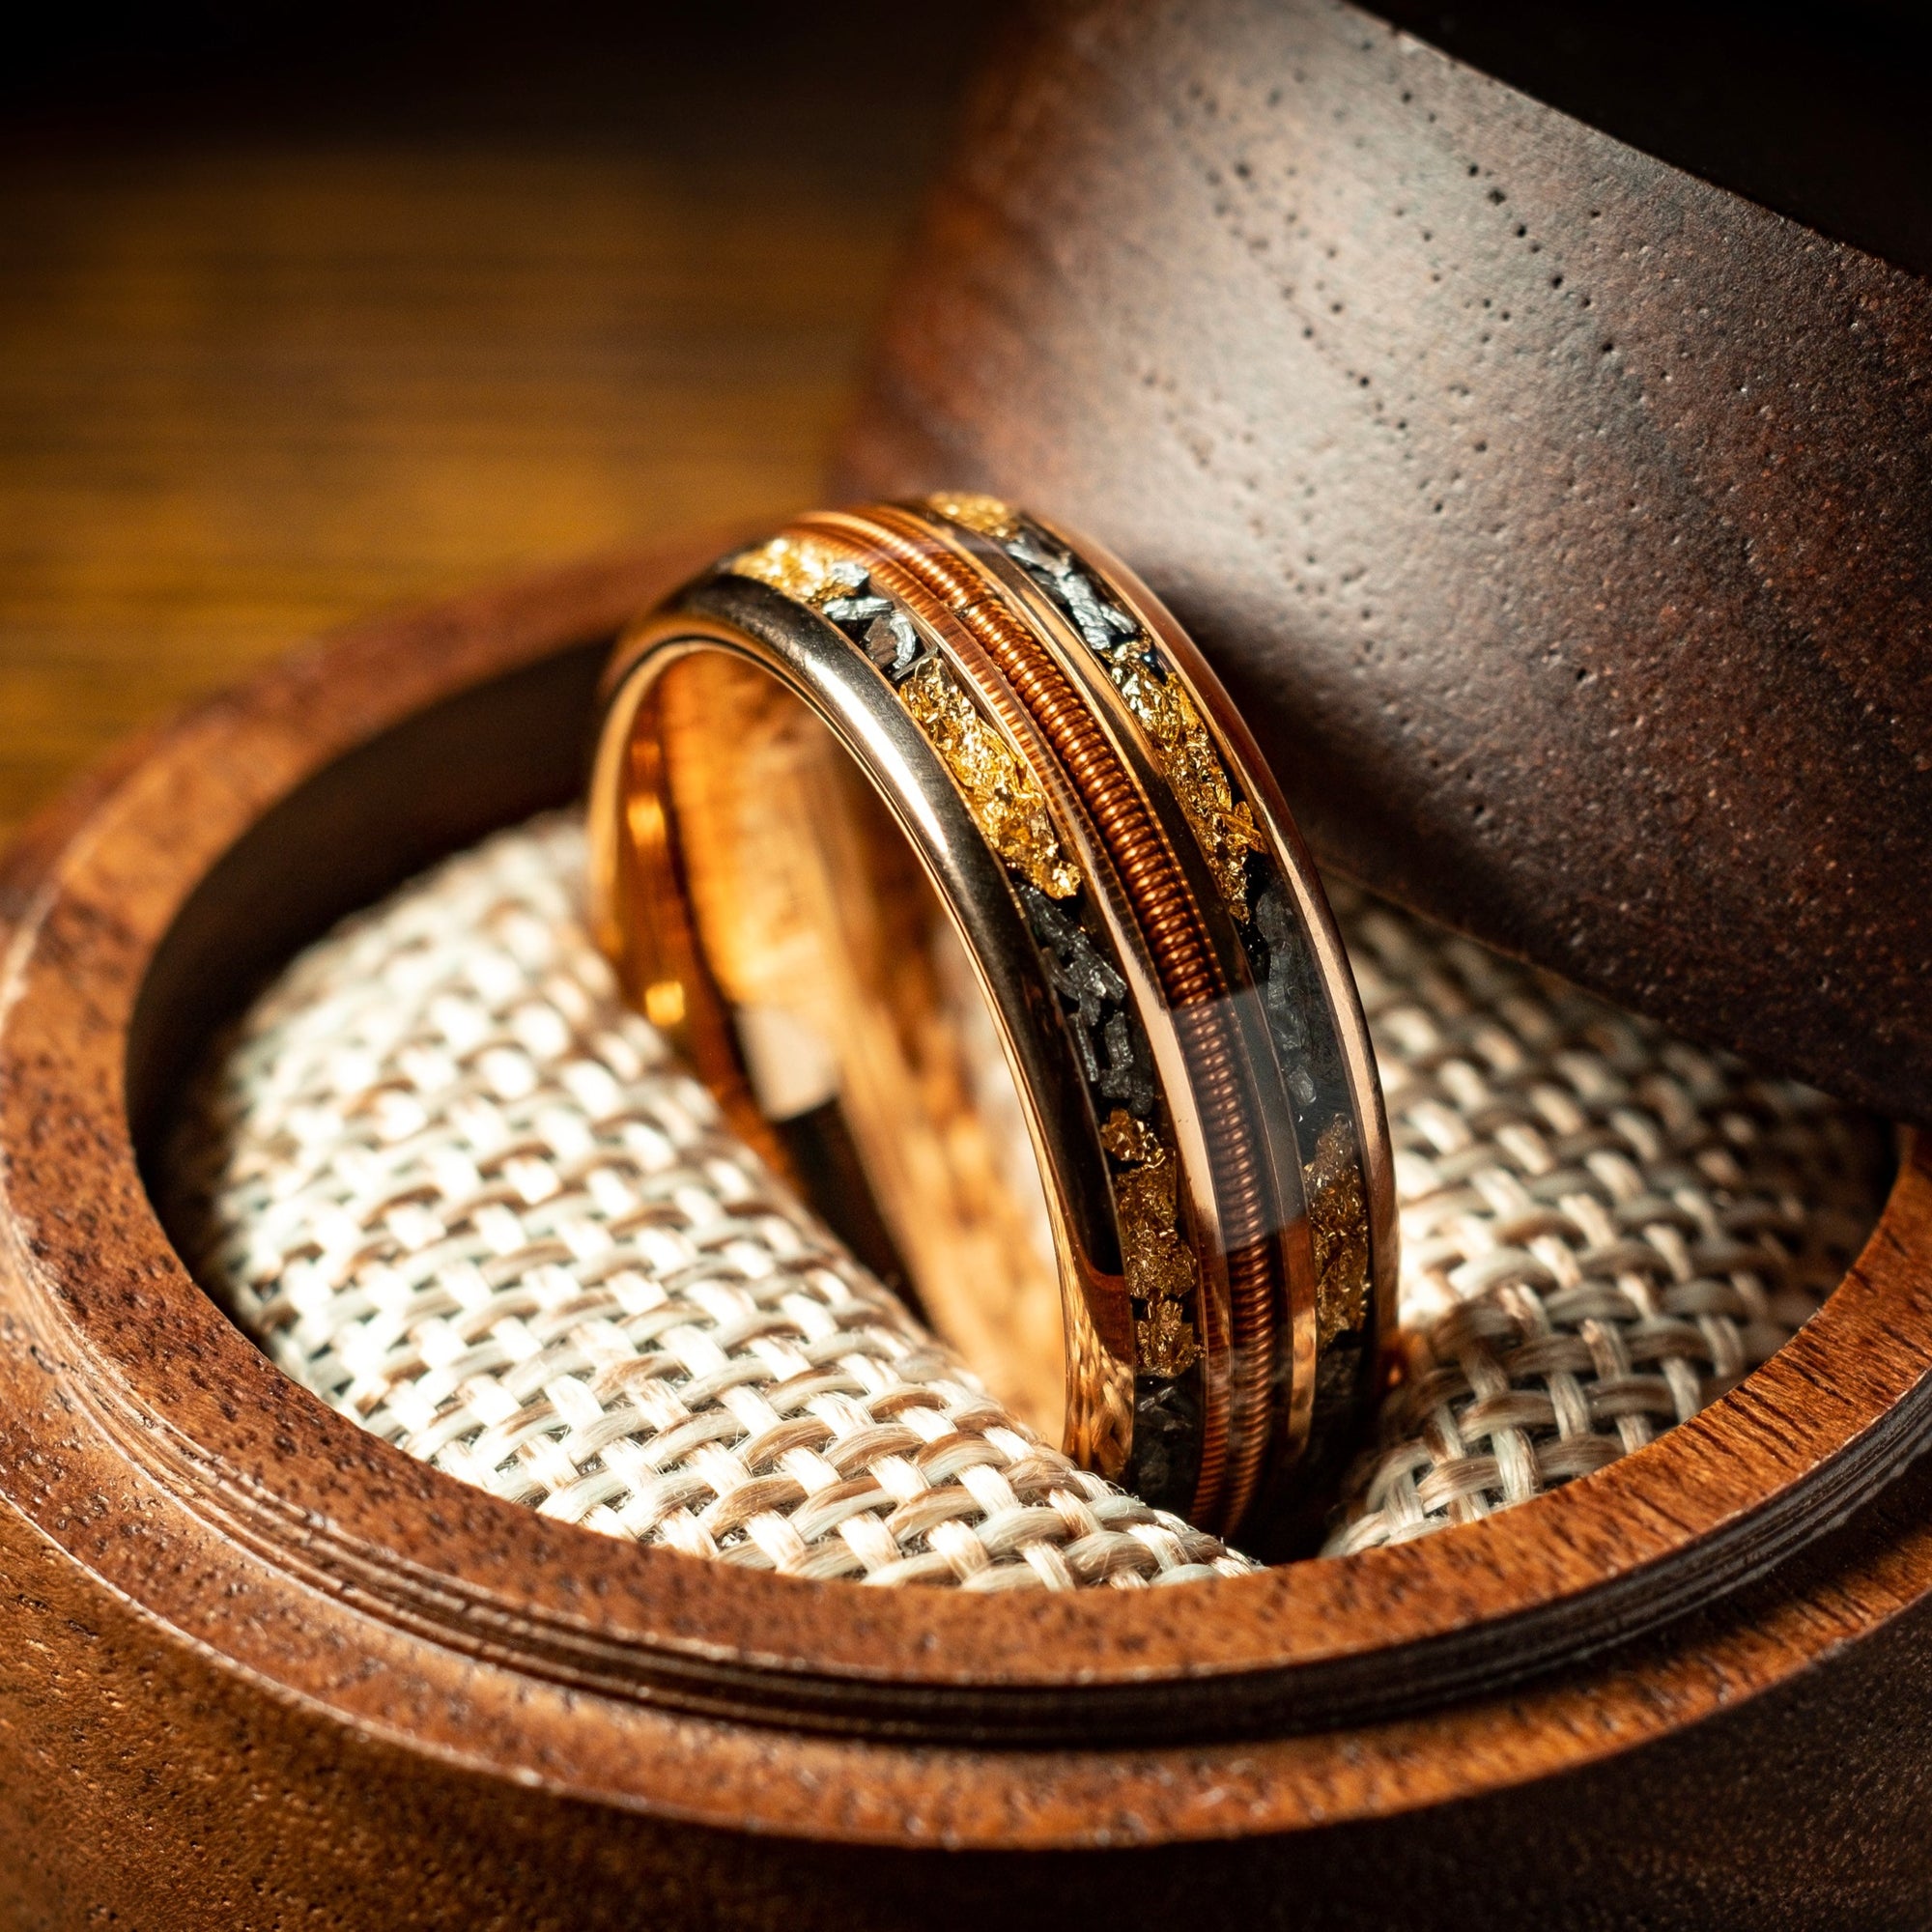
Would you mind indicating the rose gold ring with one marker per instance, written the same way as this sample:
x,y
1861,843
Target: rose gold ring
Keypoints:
x,y
930,837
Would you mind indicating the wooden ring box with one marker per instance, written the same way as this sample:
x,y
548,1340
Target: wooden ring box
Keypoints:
x,y
259,1664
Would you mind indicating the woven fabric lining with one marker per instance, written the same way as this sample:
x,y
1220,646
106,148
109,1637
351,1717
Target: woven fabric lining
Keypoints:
x,y
460,1192
1603,1226
456,1189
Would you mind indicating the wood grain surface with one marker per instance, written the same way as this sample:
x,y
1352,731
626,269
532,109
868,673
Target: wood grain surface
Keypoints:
x,y
284,340
1561,522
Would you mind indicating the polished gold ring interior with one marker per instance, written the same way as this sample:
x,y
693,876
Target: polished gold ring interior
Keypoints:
x,y
931,841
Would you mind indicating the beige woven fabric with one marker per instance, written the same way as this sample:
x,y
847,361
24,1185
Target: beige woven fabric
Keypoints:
x,y
1603,1226
457,1191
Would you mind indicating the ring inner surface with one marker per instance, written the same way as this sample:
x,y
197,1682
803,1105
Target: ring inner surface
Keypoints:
x,y
867,1040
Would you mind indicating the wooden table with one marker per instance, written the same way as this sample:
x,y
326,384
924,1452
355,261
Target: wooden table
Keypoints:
x,y
280,348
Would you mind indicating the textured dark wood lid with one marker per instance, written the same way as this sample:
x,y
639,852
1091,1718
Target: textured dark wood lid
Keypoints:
x,y
1563,523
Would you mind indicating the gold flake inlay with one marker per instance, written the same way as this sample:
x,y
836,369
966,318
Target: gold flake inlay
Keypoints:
x,y
987,515
802,568
1223,824
1338,1220
1160,1266
1004,796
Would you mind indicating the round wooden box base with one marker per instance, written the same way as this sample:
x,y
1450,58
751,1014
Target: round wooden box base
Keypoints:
x,y
258,1668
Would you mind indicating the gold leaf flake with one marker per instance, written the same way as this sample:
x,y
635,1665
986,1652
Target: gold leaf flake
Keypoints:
x,y
1002,795
987,515
1338,1223
1223,824
1161,1268
1164,1341
1128,1140
802,568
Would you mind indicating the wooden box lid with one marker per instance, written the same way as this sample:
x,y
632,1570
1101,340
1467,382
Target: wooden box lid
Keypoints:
x,y
1563,522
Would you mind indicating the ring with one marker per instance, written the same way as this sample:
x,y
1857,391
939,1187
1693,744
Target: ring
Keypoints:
x,y
930,838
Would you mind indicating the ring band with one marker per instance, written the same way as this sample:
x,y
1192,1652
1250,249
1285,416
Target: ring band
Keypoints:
x,y
933,843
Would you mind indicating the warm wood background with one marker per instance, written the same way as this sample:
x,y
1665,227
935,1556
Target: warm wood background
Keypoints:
x,y
289,333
